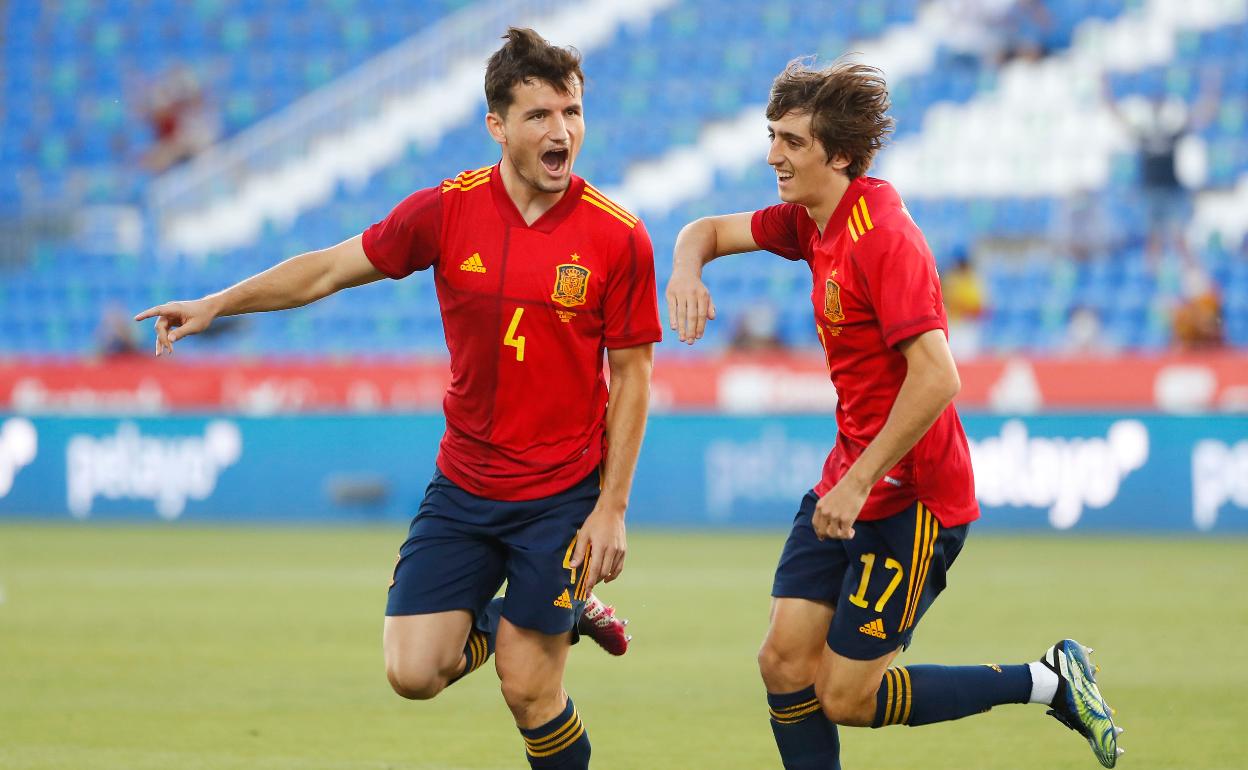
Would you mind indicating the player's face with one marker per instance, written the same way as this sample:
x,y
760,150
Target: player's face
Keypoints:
x,y
542,133
803,173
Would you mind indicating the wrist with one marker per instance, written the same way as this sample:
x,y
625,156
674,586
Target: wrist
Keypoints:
x,y
858,481
612,505
215,304
686,264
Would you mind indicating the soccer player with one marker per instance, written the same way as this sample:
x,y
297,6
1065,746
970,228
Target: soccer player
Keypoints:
x,y
872,542
537,274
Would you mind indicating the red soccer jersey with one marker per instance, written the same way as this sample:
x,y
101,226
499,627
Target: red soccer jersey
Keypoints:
x,y
528,311
875,285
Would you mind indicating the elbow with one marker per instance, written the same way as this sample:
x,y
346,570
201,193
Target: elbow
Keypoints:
x,y
951,385
699,230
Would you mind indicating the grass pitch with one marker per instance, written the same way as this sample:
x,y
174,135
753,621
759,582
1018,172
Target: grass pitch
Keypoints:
x,y
188,648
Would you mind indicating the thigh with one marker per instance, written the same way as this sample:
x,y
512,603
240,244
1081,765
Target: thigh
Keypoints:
x,y
544,592
447,562
897,567
809,568
798,627
430,643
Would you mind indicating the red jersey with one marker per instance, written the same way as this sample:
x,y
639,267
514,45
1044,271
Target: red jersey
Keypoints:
x,y
528,311
875,285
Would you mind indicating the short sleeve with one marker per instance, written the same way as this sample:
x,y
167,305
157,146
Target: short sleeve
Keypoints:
x,y
631,303
903,284
775,229
408,238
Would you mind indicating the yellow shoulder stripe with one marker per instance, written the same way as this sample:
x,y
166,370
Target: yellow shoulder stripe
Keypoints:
x,y
605,208
620,210
859,220
465,176
465,186
466,180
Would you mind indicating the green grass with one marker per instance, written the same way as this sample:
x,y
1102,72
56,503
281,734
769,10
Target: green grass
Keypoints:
x,y
125,648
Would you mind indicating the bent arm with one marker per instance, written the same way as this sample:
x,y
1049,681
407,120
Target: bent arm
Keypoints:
x,y
708,238
689,304
930,385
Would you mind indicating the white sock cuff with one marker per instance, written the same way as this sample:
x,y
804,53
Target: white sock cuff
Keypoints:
x,y
1043,683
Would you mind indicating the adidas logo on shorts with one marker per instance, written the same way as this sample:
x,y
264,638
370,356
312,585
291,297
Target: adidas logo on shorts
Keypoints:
x,y
874,628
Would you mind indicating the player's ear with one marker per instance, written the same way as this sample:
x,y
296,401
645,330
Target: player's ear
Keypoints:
x,y
497,128
840,161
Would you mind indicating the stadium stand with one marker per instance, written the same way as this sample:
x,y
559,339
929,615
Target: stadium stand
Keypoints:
x,y
657,93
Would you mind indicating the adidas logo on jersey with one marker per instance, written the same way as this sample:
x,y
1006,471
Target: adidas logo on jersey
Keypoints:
x,y
874,628
564,600
473,264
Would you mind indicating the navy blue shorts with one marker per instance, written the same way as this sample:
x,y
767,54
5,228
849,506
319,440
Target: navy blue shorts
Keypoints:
x,y
880,582
461,547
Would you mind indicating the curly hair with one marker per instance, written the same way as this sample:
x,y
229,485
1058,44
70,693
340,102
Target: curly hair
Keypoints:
x,y
848,105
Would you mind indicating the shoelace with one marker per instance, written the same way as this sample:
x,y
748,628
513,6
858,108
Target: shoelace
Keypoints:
x,y
598,613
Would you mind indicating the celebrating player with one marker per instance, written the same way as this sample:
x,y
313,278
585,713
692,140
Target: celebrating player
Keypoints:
x,y
872,542
537,273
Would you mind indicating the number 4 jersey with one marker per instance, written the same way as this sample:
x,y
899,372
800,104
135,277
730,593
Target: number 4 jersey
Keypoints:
x,y
528,311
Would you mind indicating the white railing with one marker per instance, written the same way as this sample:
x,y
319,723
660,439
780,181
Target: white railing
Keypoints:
x,y
353,98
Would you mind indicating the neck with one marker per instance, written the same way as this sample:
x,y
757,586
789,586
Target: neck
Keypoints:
x,y
530,201
821,211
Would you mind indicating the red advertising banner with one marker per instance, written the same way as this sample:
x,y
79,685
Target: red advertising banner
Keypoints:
x,y
738,383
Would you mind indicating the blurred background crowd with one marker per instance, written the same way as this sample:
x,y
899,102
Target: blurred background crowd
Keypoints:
x,y
1080,167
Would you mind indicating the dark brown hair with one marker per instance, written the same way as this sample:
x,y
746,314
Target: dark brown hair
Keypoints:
x,y
527,56
847,103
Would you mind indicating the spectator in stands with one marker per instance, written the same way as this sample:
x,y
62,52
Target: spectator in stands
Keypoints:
x,y
1084,229
972,31
1158,132
1197,318
1026,28
757,330
116,334
965,304
1085,334
181,121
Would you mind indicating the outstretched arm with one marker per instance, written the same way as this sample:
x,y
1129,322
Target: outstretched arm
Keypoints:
x,y
689,304
293,283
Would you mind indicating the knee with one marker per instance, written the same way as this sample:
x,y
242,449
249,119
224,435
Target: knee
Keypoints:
x,y
415,681
848,709
524,697
785,670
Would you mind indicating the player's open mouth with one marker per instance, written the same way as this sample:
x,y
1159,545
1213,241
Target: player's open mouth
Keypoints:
x,y
783,176
555,160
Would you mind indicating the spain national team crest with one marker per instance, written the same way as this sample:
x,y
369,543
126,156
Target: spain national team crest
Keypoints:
x,y
832,302
571,285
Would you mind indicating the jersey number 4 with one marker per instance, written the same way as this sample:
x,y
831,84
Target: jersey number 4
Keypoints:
x,y
510,339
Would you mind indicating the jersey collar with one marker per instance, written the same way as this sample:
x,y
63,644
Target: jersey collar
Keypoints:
x,y
547,222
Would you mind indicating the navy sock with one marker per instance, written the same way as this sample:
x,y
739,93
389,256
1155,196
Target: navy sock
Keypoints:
x,y
560,744
480,644
922,695
805,737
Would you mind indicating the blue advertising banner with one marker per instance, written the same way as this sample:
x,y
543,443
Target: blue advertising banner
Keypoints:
x,y
1084,472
